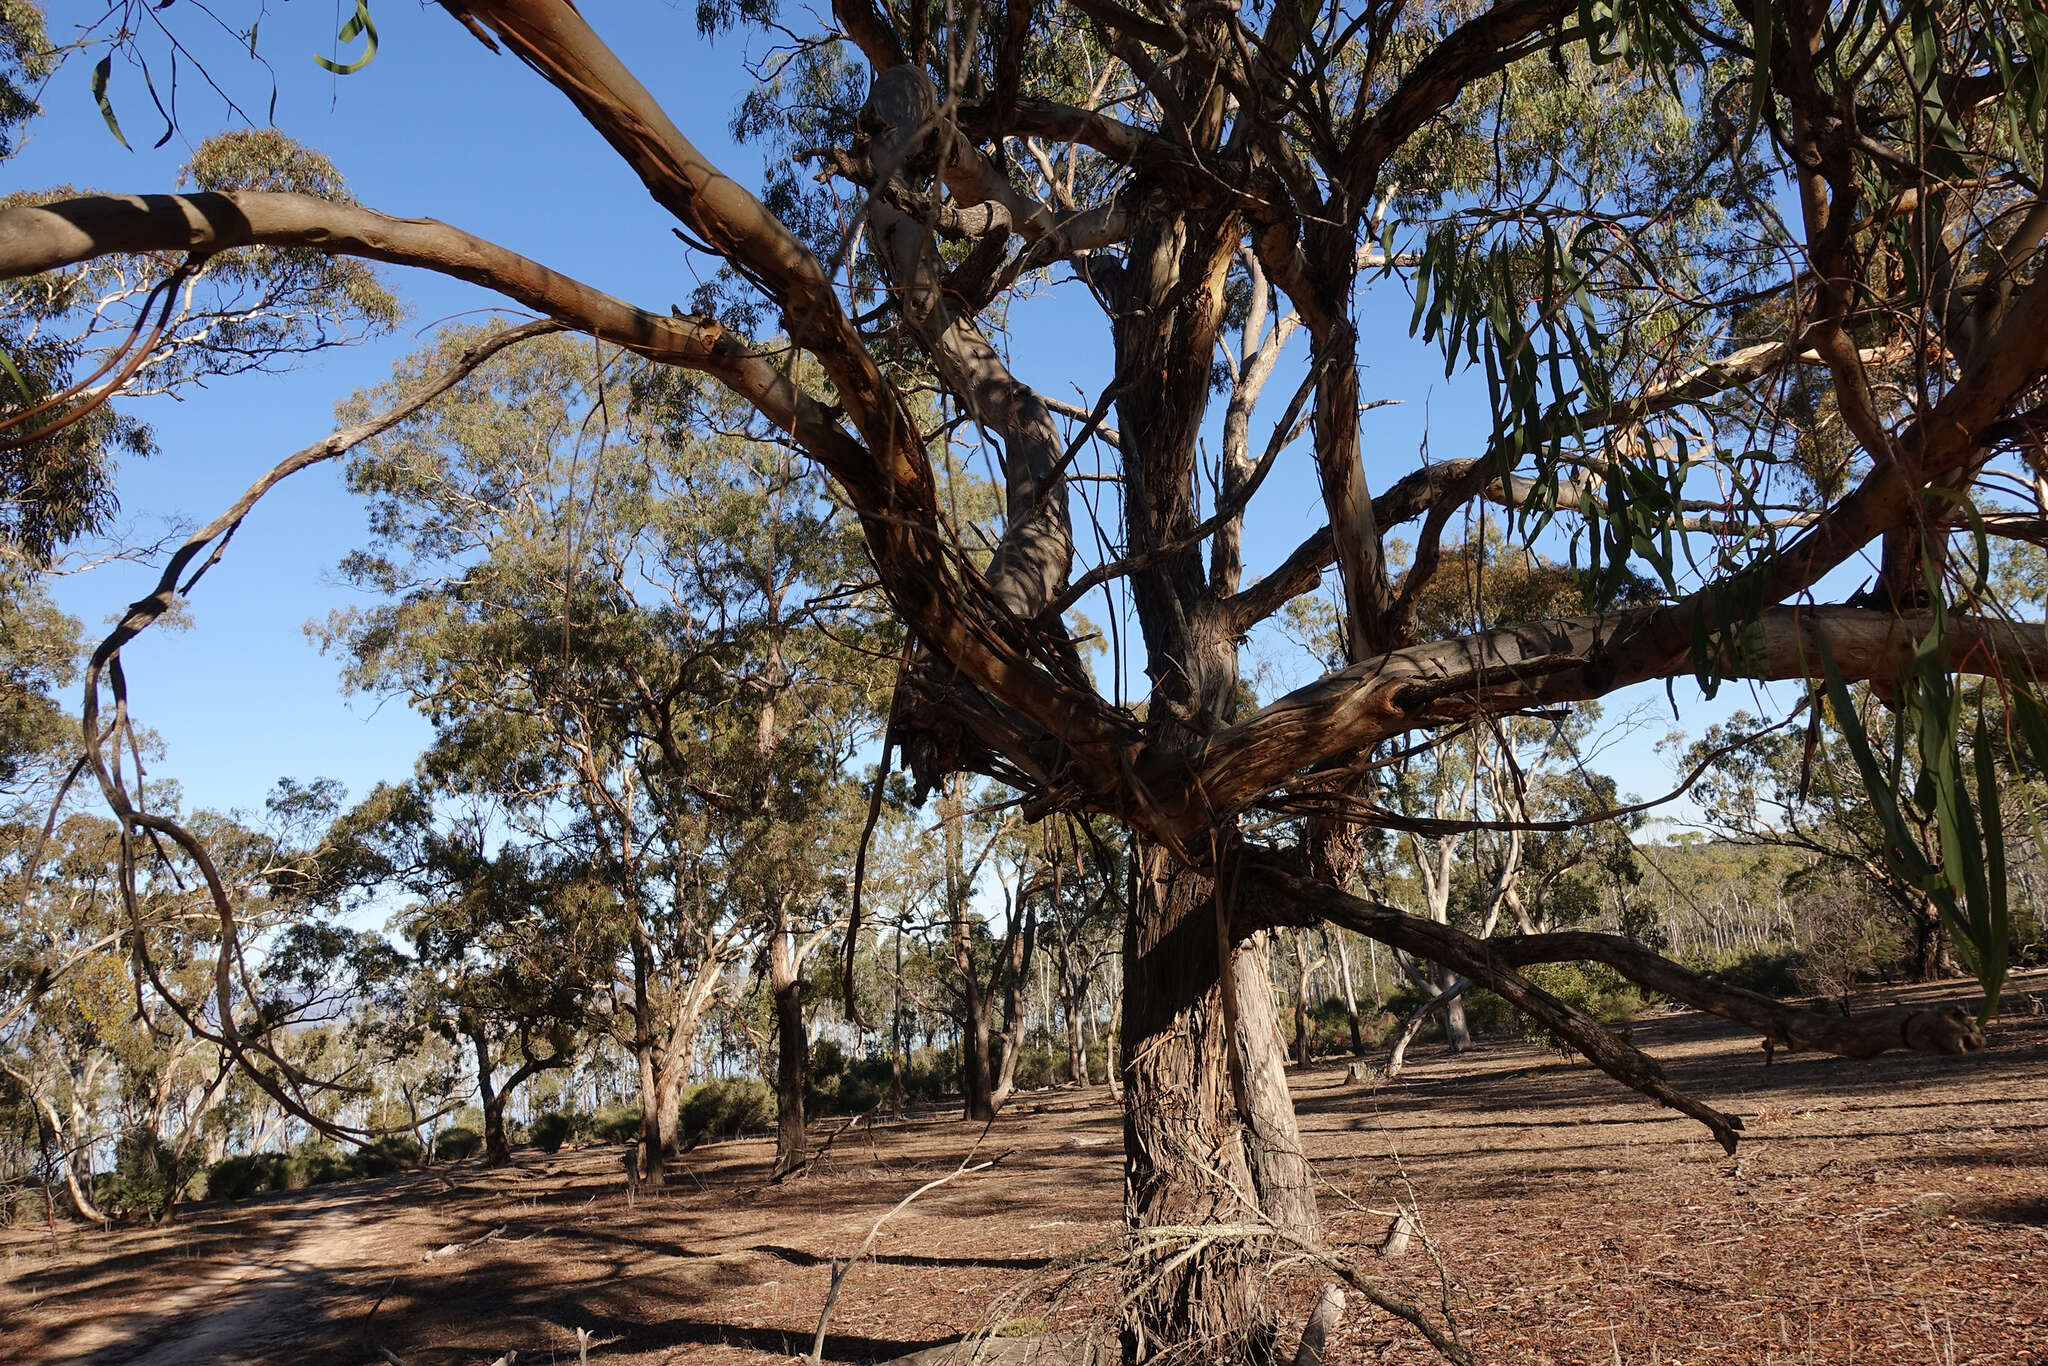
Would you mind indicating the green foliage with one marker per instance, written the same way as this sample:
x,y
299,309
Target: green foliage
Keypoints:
x,y
550,1131
457,1142
148,1174
715,1110
315,1163
247,1174
1778,972
616,1124
386,1155
26,60
1597,991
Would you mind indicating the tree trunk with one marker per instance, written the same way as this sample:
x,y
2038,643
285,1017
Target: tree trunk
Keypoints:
x,y
1457,1034
1452,994
497,1146
1077,1045
897,1043
1016,967
976,1091
792,1053
1350,996
654,1155
1280,1172
1303,1035
1185,1162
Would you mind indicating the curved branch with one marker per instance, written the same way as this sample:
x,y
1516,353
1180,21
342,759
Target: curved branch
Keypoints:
x,y
1300,901
1291,899
1571,659
212,540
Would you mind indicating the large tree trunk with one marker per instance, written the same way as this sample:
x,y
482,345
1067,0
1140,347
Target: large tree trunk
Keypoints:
x,y
1196,1119
792,1053
1185,1160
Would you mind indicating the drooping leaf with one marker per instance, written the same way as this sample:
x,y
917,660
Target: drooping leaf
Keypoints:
x,y
102,72
360,25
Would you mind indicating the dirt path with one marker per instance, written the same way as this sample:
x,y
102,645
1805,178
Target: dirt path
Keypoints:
x,y
245,1298
242,1314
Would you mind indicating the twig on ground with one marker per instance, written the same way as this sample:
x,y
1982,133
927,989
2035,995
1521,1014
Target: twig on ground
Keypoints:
x,y
839,1270
803,1168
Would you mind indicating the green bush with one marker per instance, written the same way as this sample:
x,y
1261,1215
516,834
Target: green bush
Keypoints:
x,y
383,1156
1779,972
1595,990
553,1129
317,1163
725,1109
248,1174
146,1173
457,1142
616,1123
828,1059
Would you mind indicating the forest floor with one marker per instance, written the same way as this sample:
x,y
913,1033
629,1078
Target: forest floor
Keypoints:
x,y
1889,1211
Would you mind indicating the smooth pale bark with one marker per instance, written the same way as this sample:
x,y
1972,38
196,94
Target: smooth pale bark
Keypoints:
x,y
1280,1172
1343,952
1452,991
1018,949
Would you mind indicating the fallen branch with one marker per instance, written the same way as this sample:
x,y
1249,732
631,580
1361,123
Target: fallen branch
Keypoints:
x,y
454,1249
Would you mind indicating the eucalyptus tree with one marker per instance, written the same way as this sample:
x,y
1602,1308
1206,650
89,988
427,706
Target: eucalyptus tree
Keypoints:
x,y
1753,291
625,608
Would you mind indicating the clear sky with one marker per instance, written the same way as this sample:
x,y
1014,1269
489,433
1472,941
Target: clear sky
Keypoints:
x,y
436,126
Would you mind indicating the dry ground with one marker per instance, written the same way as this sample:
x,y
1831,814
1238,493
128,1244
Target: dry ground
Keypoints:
x,y
1893,1211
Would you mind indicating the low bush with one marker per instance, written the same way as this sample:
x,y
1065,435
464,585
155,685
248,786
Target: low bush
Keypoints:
x,y
457,1142
616,1123
383,1156
725,1109
551,1130
248,1174
1593,989
1780,971
147,1173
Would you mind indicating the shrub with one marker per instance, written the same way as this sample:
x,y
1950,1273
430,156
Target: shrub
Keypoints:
x,y
383,1156
828,1059
316,1163
1038,1067
1595,990
457,1142
1776,971
725,1109
234,1178
553,1129
616,1123
147,1173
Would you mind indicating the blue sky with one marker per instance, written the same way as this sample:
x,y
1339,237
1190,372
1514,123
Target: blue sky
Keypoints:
x,y
436,126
